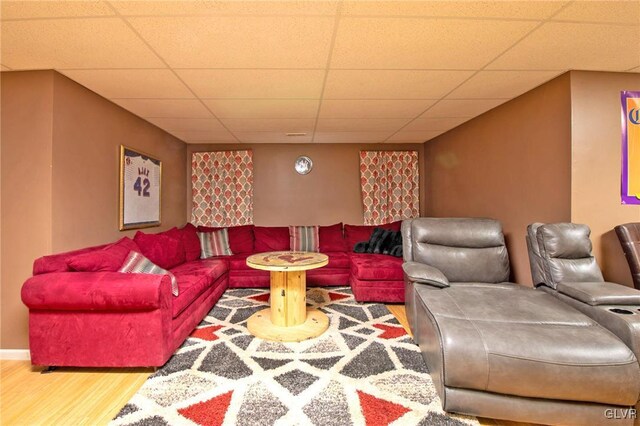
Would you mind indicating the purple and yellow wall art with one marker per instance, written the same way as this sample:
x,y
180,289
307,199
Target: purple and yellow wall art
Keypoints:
x,y
630,147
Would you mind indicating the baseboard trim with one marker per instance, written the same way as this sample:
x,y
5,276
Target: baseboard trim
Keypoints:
x,y
15,354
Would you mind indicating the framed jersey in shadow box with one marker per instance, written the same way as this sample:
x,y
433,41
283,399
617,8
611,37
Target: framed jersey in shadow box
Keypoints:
x,y
140,189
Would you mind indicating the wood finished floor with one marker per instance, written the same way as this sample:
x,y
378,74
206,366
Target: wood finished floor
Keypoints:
x,y
81,396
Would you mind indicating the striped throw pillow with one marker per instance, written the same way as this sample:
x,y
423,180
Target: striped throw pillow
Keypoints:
x,y
136,263
214,243
304,238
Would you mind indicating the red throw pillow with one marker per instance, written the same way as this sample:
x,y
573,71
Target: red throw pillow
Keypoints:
x,y
354,234
189,236
107,259
164,251
271,238
240,237
331,238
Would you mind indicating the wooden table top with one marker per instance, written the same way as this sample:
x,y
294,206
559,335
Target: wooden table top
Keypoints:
x,y
287,260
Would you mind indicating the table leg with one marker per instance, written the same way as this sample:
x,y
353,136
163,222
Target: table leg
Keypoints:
x,y
288,298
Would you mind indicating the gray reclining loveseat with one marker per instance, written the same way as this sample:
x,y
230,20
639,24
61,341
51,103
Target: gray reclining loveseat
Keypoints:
x,y
501,350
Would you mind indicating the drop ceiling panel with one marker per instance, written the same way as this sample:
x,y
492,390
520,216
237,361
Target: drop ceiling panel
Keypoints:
x,y
426,125
391,84
457,9
254,84
373,108
271,137
189,124
263,108
562,46
59,9
408,136
284,125
351,137
199,137
165,108
360,124
239,42
627,12
423,43
177,8
462,108
501,84
140,83
74,43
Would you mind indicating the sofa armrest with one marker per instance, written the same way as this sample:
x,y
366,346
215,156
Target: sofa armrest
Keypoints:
x,y
424,274
97,291
600,293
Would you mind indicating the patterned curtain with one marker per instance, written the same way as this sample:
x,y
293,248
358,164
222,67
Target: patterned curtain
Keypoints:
x,y
390,186
222,188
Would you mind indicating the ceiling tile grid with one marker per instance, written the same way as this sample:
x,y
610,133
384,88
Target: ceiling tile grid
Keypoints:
x,y
334,71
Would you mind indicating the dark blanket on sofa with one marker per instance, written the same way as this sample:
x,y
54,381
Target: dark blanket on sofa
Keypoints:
x,y
382,241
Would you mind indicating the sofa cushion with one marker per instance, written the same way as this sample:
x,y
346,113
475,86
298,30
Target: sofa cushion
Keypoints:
x,y
337,260
354,234
331,238
212,268
373,267
58,262
107,259
193,280
164,251
136,263
215,243
240,237
271,238
189,239
304,238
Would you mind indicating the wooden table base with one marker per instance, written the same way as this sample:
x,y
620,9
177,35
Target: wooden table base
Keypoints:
x,y
288,319
260,325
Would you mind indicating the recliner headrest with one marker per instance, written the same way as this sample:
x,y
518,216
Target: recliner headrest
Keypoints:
x,y
564,240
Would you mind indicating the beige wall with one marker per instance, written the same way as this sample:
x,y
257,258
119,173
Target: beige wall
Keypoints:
x,y
327,195
27,102
596,162
511,163
67,196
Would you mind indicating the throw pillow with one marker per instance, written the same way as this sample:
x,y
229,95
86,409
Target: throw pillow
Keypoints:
x,y
240,237
107,259
163,250
304,238
136,263
214,243
331,238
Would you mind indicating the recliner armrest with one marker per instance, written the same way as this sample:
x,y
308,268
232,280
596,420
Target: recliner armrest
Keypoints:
x,y
600,293
425,274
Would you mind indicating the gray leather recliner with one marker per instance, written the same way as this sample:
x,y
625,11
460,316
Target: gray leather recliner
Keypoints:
x,y
563,265
501,350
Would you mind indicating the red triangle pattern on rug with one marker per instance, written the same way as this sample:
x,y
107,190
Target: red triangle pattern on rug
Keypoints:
x,y
208,413
379,412
261,297
390,332
207,333
336,296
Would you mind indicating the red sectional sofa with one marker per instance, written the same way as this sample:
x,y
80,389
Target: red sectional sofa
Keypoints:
x,y
103,318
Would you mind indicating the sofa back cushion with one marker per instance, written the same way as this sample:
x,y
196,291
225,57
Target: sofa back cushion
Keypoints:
x,y
464,249
163,250
354,234
331,238
271,238
240,237
188,235
566,252
107,259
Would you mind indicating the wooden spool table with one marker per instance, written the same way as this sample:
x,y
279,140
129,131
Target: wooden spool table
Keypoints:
x,y
288,319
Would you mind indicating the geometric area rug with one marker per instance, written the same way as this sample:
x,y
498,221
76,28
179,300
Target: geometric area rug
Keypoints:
x,y
364,370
